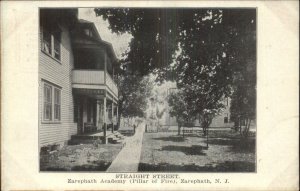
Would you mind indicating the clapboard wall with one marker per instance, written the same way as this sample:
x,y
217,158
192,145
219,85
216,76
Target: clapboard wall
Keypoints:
x,y
58,73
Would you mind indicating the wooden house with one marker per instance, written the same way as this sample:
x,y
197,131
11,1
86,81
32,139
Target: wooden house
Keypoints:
x,y
77,90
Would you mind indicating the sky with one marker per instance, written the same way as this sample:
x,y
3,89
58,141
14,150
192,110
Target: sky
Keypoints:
x,y
120,42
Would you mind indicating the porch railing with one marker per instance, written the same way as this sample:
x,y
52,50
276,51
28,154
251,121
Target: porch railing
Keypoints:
x,y
94,77
88,76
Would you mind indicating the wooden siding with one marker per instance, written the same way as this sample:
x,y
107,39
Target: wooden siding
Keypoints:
x,y
88,77
58,73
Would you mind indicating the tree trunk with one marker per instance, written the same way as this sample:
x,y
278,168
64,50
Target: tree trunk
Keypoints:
x,y
204,131
240,125
246,131
118,122
179,127
236,125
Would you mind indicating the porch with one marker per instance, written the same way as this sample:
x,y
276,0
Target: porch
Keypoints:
x,y
96,114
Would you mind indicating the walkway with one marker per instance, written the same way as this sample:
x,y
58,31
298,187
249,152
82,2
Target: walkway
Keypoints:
x,y
129,157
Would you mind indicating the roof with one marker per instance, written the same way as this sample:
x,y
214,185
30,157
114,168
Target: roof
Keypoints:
x,y
91,25
84,21
107,45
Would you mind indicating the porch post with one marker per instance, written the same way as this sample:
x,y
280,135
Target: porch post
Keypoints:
x,y
85,107
104,121
117,115
98,114
112,116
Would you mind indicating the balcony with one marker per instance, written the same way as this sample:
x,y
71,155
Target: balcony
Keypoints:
x,y
95,79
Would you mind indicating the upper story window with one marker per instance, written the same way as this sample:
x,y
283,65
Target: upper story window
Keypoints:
x,y
51,42
226,101
88,32
57,40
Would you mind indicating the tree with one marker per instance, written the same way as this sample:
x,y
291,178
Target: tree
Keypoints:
x,y
203,50
158,33
243,106
211,58
180,109
153,42
134,91
243,49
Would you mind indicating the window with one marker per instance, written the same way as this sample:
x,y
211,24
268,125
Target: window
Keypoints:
x,y
226,118
51,40
47,102
46,46
88,32
226,101
52,103
57,104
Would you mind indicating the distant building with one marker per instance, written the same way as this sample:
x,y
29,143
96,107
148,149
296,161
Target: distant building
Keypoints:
x,y
77,93
223,119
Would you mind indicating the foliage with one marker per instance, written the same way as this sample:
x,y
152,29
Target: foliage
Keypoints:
x,y
134,91
208,52
243,107
158,33
154,35
181,109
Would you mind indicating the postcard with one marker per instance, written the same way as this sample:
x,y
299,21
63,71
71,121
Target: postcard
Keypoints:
x,y
149,95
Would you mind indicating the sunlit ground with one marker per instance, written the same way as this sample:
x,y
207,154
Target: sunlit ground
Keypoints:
x,y
226,152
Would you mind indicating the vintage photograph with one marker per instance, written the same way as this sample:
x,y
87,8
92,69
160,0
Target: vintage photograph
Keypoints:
x,y
147,89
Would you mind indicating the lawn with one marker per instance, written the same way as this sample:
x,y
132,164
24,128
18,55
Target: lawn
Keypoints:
x,y
226,152
83,157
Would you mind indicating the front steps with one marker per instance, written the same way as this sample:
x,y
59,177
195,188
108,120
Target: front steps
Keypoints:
x,y
116,138
112,138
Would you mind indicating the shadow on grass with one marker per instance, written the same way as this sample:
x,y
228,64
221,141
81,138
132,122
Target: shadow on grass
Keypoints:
x,y
230,134
96,166
227,142
170,138
193,150
101,166
227,166
236,145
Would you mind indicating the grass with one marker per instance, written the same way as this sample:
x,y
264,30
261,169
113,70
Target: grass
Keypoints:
x,y
226,152
84,157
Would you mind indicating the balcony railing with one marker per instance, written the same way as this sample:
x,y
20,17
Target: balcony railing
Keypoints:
x,y
88,77
94,77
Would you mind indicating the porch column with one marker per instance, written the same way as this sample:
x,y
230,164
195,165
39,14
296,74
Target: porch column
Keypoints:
x,y
117,115
112,116
98,114
85,107
104,121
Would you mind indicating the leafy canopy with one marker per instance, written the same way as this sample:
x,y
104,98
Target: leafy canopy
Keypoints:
x,y
208,52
